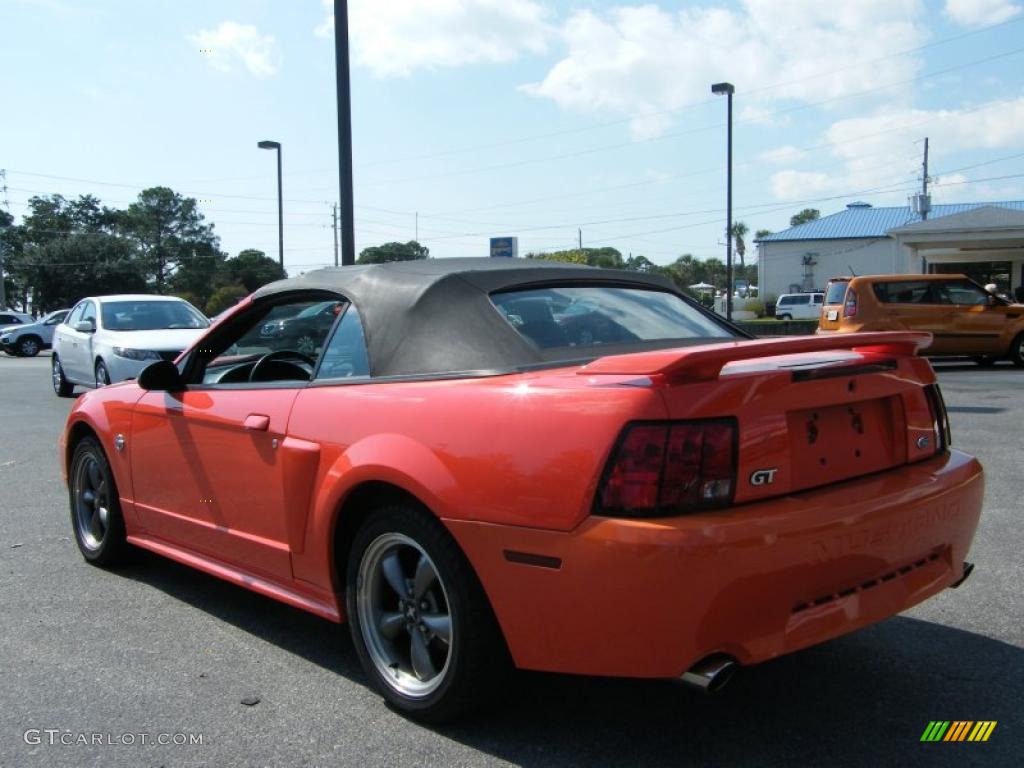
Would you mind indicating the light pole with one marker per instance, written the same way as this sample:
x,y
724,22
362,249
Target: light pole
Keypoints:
x,y
728,90
343,85
280,206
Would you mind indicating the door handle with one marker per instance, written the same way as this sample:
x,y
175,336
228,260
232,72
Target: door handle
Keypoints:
x,y
257,422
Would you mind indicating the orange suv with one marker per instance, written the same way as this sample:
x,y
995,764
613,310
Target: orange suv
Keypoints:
x,y
963,318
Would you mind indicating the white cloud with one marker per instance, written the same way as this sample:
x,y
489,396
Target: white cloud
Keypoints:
x,y
980,13
232,44
883,150
396,37
643,60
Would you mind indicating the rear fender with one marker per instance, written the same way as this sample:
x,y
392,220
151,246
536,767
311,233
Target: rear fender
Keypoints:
x,y
386,458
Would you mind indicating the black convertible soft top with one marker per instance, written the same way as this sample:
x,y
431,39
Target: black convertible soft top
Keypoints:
x,y
435,316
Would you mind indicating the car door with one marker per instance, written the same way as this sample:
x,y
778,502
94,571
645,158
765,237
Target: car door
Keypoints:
x,y
210,463
73,348
980,317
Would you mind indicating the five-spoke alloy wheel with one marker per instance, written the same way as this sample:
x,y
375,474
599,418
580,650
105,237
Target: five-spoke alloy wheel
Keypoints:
x,y
421,623
95,508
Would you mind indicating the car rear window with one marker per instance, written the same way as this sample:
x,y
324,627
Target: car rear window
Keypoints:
x,y
586,316
836,292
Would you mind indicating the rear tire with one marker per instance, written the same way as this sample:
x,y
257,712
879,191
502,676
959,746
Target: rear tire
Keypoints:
x,y
95,506
61,385
1017,350
783,317
420,621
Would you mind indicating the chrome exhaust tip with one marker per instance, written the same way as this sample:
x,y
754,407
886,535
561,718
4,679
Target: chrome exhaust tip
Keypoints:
x,y
710,675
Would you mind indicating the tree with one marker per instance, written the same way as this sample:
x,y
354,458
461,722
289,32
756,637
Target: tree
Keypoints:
x,y
807,214
200,274
379,254
252,269
762,233
739,231
225,297
167,227
607,258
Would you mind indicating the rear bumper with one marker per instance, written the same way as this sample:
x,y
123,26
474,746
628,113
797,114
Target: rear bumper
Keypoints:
x,y
649,598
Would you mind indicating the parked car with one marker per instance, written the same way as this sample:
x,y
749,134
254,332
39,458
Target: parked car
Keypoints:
x,y
467,488
304,331
799,306
29,339
8,317
106,339
963,318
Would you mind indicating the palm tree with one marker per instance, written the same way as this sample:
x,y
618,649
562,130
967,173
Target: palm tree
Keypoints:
x,y
739,230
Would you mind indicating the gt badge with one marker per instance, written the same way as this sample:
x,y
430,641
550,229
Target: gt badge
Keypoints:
x,y
763,476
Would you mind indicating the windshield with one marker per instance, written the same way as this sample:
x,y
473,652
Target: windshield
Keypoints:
x,y
590,316
836,292
150,316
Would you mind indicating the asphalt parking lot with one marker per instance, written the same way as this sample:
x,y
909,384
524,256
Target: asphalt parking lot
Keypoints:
x,y
159,649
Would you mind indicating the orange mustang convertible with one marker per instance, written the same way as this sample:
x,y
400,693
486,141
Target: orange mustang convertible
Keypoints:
x,y
494,462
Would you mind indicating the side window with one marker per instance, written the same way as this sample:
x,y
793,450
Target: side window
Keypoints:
x,y
801,300
345,356
76,314
89,312
907,292
963,293
7,319
282,343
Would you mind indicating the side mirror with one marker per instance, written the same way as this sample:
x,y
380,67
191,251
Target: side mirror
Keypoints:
x,y
86,326
161,376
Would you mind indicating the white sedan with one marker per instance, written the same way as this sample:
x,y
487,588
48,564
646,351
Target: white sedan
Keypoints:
x,y
106,339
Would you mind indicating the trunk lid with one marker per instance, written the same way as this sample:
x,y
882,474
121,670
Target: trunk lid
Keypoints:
x,y
810,411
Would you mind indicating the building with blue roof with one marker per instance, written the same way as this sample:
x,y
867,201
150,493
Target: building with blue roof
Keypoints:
x,y
982,240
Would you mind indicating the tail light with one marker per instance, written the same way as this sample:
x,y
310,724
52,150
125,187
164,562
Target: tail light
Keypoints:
x,y
940,418
669,468
850,305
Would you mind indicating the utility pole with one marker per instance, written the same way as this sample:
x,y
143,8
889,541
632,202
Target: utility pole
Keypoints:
x,y
417,237
334,228
924,183
341,64
580,230
6,205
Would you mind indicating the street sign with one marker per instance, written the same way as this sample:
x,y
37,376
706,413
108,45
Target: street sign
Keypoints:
x,y
505,247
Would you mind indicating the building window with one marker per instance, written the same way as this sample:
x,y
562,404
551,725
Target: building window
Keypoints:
x,y
981,272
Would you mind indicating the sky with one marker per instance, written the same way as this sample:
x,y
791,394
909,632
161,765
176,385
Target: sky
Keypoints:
x,y
548,121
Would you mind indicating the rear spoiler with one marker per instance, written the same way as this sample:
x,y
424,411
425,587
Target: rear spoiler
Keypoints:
x,y
705,362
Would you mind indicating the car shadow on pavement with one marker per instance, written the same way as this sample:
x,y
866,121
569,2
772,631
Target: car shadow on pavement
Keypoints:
x,y
864,699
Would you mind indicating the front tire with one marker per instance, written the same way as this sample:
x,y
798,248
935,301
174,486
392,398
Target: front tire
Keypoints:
x,y
1017,350
783,317
95,506
102,374
421,623
29,346
61,385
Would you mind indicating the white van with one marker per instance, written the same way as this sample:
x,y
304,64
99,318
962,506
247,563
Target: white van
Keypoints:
x,y
799,306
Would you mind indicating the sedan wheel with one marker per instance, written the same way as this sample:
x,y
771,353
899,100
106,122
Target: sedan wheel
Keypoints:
x,y
95,507
28,347
61,385
102,375
420,621
306,345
